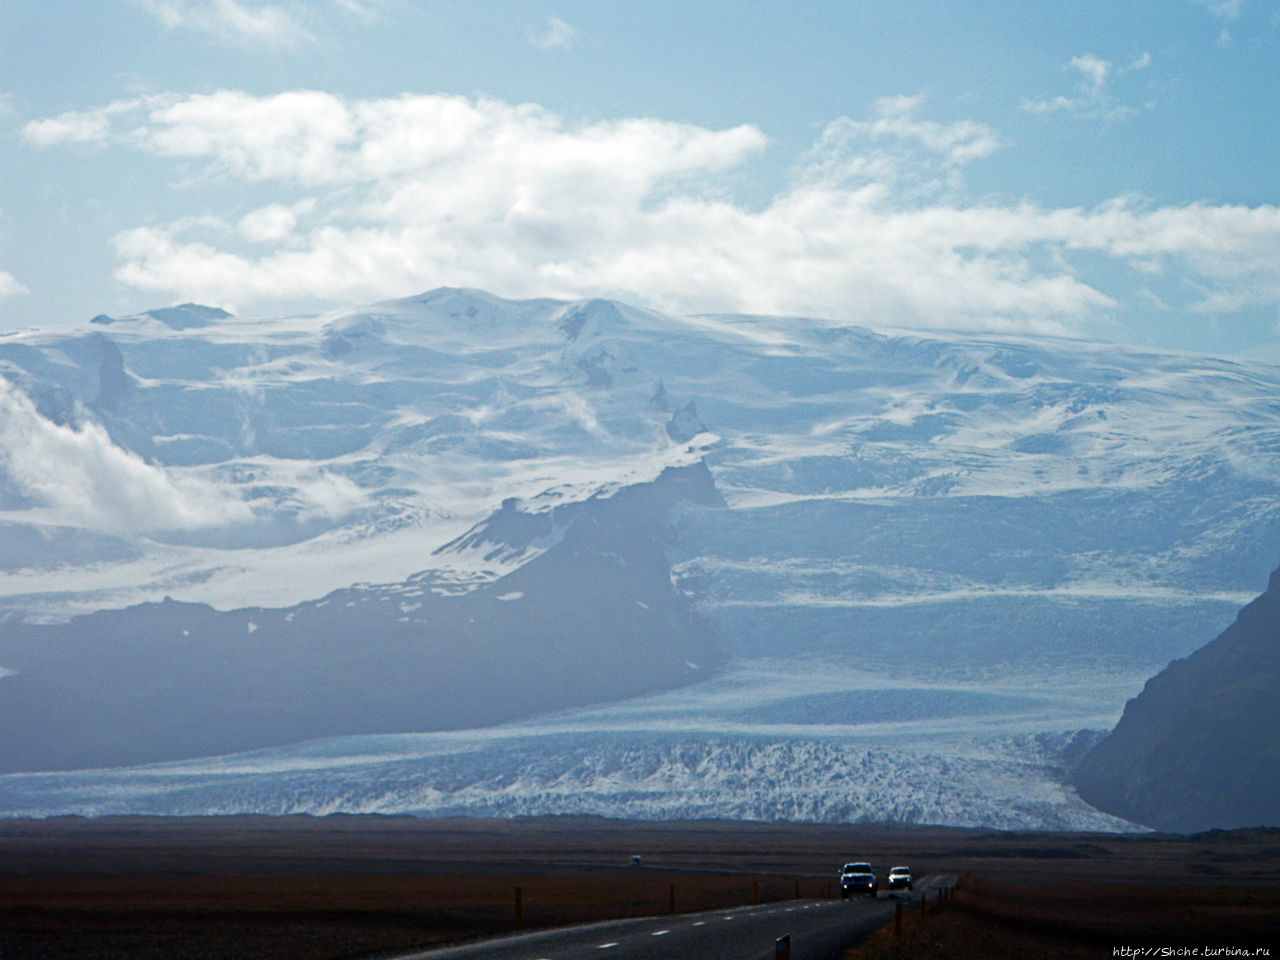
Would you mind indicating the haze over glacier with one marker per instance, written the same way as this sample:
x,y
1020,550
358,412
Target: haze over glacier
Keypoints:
x,y
929,563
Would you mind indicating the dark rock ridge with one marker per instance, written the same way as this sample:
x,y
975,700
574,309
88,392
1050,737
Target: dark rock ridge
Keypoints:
x,y
591,617
184,316
1199,748
684,424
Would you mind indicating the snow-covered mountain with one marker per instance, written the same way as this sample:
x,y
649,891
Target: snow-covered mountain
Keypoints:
x,y
940,555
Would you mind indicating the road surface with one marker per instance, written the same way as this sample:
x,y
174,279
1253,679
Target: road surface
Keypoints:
x,y
819,930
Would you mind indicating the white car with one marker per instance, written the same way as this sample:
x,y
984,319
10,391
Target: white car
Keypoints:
x,y
899,877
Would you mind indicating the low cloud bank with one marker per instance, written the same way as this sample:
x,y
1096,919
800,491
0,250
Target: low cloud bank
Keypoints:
x,y
85,480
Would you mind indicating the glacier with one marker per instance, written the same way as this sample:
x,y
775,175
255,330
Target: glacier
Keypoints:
x,y
935,563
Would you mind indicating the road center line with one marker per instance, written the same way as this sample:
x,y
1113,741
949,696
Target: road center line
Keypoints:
x,y
659,933
606,946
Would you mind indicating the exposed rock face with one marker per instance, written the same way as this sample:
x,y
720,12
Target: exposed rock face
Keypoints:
x,y
684,424
1200,746
184,316
589,614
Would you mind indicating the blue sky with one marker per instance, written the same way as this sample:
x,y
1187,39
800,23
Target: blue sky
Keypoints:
x,y
1091,169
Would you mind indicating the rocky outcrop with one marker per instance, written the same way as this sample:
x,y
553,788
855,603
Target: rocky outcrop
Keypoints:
x,y
185,316
1200,746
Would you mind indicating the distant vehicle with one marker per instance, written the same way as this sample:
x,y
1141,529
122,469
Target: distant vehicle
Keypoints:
x,y
899,877
856,879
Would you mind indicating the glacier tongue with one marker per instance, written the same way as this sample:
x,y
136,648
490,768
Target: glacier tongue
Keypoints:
x,y
1011,782
764,739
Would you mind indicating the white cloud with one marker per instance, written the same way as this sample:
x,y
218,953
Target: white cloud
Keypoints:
x,y
235,21
70,127
84,126
1226,11
328,495
556,35
86,480
274,222
10,285
1094,68
956,143
386,197
1092,96
1141,62
1089,92
367,11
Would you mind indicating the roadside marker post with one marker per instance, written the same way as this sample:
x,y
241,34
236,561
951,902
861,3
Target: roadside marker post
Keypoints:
x,y
671,899
897,920
797,896
755,891
519,909
782,948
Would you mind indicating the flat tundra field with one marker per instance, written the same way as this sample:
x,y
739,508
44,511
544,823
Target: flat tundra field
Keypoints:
x,y
353,886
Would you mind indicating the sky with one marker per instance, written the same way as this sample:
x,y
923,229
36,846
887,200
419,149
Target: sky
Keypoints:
x,y
1090,169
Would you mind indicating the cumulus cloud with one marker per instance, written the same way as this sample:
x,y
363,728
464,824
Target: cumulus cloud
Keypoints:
x,y
555,35
385,197
89,126
86,480
274,222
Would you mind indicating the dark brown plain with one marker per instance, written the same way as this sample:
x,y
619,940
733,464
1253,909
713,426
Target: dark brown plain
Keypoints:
x,y
346,887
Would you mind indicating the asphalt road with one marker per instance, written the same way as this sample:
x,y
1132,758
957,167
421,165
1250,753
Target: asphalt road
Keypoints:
x,y
819,930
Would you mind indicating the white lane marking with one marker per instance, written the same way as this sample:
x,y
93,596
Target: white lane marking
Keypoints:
x,y
606,946
700,923
659,933
726,918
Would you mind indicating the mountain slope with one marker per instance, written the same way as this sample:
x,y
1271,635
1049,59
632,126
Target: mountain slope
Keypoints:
x,y
1199,747
589,615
